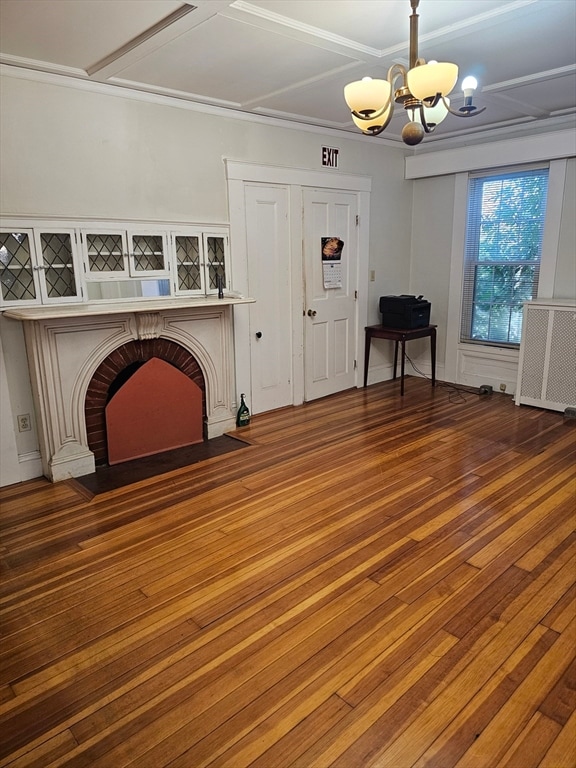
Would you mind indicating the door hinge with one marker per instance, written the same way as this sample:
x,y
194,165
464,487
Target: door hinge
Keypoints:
x,y
355,365
357,219
355,295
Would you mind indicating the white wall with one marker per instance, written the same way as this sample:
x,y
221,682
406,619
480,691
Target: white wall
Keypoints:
x,y
104,153
430,253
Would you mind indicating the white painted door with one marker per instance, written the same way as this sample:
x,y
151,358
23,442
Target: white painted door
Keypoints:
x,y
270,322
330,312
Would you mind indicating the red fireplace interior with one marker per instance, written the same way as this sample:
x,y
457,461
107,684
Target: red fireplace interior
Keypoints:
x,y
147,397
157,409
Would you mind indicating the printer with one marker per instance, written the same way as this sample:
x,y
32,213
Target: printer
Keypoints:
x,y
405,312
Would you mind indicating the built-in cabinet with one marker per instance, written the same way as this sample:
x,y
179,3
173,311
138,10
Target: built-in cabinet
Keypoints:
x,y
201,262
110,254
39,266
43,264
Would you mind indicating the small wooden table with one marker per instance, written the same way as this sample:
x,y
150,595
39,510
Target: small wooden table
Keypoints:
x,y
400,335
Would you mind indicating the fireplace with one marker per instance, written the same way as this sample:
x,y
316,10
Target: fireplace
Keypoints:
x,y
77,352
146,397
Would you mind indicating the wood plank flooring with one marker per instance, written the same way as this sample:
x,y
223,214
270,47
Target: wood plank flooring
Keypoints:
x,y
375,581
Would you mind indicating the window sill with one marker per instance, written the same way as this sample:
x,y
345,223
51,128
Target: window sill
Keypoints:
x,y
479,349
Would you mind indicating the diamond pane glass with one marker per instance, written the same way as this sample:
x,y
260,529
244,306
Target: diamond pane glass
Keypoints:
x,y
105,253
188,260
148,253
216,267
59,267
16,277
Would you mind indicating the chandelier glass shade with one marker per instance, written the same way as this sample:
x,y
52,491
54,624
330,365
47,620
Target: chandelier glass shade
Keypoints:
x,y
427,80
432,116
422,90
366,97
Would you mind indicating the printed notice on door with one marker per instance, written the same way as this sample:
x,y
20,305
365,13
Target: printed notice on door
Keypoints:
x,y
332,248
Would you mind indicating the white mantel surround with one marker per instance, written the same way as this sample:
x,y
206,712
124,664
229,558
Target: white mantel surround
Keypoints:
x,y
65,345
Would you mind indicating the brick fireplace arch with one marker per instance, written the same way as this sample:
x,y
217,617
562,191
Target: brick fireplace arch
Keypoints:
x,y
116,367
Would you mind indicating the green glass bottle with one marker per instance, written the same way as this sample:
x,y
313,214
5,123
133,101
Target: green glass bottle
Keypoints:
x,y
243,417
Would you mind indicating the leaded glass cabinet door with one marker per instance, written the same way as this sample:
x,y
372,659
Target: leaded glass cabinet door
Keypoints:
x,y
189,271
147,254
18,278
215,261
105,254
57,266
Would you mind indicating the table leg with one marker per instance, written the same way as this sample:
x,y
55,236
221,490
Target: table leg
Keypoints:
x,y
367,356
403,342
433,355
395,358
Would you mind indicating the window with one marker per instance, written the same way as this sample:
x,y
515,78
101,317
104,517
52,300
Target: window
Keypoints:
x,y
503,248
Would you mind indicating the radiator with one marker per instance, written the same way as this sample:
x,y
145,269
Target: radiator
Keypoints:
x,y
547,365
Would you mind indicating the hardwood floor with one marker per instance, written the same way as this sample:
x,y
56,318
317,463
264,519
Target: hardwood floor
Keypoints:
x,y
375,581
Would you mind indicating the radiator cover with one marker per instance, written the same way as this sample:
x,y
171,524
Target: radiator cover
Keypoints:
x,y
547,365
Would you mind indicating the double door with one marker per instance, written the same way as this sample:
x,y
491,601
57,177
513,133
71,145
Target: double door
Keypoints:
x,y
303,325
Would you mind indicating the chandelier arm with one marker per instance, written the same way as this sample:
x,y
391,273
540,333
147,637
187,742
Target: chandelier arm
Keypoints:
x,y
427,128
469,111
372,116
387,121
395,71
432,102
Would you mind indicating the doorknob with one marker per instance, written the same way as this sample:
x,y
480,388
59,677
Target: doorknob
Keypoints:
x,y
311,313
258,334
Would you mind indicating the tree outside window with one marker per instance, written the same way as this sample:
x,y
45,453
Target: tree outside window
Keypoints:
x,y
505,224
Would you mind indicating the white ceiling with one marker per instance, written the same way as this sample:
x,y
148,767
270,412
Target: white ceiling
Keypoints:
x,y
290,59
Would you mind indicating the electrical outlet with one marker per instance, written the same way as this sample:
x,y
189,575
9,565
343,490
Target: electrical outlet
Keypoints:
x,y
502,387
24,424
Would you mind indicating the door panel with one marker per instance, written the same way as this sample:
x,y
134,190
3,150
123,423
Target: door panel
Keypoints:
x,y
320,358
341,346
268,246
330,313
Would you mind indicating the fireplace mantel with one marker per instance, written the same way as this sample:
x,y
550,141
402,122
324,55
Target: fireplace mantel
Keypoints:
x,y
93,308
66,344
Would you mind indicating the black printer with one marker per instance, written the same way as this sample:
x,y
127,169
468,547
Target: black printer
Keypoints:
x,y
406,312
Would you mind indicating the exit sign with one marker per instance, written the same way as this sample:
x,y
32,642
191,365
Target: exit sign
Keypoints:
x,y
330,157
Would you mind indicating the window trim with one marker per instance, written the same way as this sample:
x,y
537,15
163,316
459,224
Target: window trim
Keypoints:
x,y
455,349
470,264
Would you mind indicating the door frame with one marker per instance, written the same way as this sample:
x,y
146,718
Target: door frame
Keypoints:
x,y
237,174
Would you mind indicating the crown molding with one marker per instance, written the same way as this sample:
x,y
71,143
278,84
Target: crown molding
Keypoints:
x,y
172,100
127,90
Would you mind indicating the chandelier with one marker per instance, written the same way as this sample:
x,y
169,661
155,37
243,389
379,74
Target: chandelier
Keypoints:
x,y
422,91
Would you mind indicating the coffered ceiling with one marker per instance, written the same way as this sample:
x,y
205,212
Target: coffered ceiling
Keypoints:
x,y
290,59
